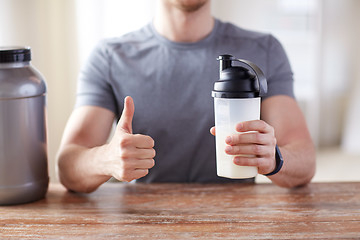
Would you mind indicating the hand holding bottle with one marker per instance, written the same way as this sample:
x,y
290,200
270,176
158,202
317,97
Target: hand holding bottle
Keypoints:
x,y
253,145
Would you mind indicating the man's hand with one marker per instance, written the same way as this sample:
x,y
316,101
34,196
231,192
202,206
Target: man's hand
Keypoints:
x,y
256,142
129,156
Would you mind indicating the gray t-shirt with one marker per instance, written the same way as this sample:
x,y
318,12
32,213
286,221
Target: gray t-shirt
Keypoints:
x,y
171,85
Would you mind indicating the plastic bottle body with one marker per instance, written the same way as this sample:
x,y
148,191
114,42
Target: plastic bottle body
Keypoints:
x,y
23,139
228,113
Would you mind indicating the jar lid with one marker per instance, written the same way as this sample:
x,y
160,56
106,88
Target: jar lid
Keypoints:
x,y
15,54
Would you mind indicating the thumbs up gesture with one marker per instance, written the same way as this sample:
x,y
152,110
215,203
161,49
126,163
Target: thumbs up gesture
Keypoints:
x,y
131,155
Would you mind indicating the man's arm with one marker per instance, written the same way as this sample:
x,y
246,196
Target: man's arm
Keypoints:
x,y
293,139
282,124
85,160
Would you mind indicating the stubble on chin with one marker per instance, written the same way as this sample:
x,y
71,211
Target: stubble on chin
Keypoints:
x,y
189,5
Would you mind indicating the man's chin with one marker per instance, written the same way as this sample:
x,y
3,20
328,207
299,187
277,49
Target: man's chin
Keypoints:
x,y
189,5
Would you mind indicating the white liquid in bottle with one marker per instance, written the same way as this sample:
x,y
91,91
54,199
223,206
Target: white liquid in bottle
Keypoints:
x,y
228,113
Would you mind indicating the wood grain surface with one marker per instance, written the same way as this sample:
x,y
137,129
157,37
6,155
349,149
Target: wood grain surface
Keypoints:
x,y
189,211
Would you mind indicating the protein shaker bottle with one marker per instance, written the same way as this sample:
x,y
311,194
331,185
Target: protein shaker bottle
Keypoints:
x,y
236,99
23,146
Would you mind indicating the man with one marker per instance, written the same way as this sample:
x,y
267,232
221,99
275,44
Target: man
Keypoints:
x,y
169,68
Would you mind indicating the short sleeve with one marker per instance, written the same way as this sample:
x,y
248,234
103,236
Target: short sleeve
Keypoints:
x,y
280,75
94,86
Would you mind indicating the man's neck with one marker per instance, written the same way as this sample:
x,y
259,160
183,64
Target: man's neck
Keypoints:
x,y
180,26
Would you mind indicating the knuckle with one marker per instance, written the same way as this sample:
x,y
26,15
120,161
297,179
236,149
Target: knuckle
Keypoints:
x,y
265,164
263,125
257,149
236,138
256,162
258,137
124,155
124,142
270,153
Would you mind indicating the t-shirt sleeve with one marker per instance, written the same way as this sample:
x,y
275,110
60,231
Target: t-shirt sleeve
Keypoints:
x,y
280,75
94,86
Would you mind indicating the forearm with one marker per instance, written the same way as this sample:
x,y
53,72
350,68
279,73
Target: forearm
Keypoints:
x,y
79,168
299,164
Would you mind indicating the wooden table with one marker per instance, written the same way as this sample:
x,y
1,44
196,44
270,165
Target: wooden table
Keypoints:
x,y
188,211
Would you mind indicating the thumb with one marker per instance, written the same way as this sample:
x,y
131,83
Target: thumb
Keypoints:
x,y
125,122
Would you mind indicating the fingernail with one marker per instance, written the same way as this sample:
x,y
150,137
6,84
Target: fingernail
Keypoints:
x,y
228,148
228,139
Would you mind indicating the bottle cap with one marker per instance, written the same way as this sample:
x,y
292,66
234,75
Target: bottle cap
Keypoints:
x,y
15,54
246,81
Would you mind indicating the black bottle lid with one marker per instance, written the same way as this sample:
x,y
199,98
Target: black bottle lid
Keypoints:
x,y
246,81
15,54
